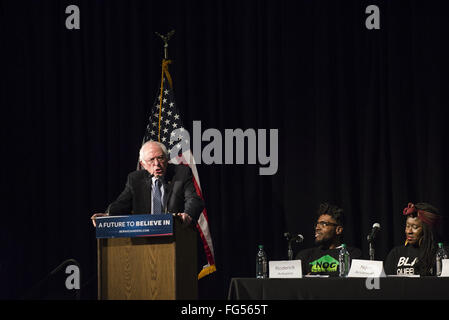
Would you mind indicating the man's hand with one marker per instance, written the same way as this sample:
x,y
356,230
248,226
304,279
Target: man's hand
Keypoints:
x,y
185,218
95,215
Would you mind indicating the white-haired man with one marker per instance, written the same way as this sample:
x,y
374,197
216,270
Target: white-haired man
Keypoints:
x,y
159,188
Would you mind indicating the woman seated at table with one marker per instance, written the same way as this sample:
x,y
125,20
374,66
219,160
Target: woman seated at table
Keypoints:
x,y
417,255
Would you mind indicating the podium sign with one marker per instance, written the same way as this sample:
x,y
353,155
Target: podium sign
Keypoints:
x,y
138,225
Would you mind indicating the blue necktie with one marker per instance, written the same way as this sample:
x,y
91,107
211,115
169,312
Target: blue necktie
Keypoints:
x,y
157,198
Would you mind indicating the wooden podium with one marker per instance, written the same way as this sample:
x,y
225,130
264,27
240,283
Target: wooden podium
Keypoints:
x,y
150,268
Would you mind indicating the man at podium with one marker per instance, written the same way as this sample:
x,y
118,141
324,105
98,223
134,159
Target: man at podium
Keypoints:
x,y
160,187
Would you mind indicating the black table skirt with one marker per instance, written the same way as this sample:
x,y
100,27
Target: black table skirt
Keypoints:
x,y
423,288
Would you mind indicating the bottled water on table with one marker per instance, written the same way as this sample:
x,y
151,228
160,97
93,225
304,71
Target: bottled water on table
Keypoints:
x,y
261,264
344,261
441,254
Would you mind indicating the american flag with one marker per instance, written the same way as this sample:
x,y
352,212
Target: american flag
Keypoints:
x,y
165,125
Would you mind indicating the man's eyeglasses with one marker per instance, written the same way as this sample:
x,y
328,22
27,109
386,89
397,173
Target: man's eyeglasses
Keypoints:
x,y
153,160
325,224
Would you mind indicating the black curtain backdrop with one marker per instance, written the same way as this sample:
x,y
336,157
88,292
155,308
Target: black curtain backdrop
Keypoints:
x,y
361,116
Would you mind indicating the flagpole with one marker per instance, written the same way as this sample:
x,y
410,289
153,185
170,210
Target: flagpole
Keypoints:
x,y
162,132
165,63
166,38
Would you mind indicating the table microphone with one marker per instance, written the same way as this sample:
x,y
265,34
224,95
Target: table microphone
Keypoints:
x,y
298,238
375,229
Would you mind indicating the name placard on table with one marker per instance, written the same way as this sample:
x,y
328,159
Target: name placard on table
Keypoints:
x,y
285,269
366,269
135,225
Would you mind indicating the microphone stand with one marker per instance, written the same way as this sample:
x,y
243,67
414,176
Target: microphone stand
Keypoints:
x,y
290,250
371,247
289,238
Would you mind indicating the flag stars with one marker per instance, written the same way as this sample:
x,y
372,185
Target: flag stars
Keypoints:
x,y
165,119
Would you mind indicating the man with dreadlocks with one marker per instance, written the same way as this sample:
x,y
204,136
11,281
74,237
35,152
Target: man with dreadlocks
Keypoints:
x,y
417,255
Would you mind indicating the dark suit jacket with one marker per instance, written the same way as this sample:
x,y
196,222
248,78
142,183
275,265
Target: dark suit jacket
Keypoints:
x,y
180,194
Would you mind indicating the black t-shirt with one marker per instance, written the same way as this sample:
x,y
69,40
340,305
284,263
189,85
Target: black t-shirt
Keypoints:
x,y
319,261
402,260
